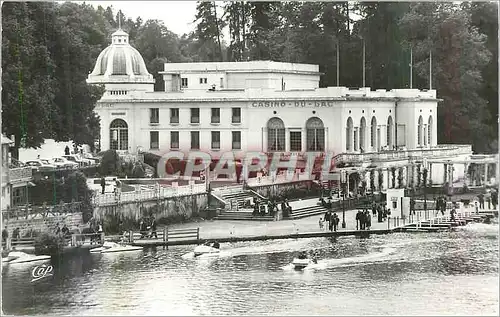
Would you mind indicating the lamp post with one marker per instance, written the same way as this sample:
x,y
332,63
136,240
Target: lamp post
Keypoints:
x,y
342,180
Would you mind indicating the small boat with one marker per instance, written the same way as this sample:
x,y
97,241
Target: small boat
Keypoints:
x,y
21,257
109,247
302,262
207,248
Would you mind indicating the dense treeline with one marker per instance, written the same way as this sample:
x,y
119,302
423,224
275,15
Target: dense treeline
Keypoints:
x,y
48,49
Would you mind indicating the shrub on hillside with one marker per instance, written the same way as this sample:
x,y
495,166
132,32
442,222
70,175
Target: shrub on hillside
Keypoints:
x,y
110,163
49,244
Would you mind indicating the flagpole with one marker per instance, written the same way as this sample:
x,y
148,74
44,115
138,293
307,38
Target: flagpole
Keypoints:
x,y
430,70
338,66
364,64
411,67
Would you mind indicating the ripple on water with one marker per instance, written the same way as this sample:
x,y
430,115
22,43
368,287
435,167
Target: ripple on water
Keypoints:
x,y
393,274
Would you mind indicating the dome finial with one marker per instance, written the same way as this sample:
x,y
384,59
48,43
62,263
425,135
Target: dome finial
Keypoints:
x,y
120,20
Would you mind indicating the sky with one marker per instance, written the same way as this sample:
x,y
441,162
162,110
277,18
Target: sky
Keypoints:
x,y
177,15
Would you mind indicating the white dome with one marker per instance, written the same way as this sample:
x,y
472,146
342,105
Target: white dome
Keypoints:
x,y
120,63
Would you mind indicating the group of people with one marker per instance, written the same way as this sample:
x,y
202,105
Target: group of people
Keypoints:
x,y
491,198
363,220
64,231
148,227
332,219
440,203
118,186
380,211
272,207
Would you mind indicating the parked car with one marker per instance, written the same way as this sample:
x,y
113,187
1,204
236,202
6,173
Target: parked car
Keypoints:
x,y
65,163
95,160
77,159
39,165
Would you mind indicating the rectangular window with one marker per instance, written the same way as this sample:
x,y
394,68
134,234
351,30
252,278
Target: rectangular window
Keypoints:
x,y
236,117
355,139
222,83
184,82
295,141
154,140
215,115
215,140
174,139
195,115
174,115
236,140
401,135
203,80
195,140
154,115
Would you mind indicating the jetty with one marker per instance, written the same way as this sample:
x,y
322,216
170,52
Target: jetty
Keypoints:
x,y
421,221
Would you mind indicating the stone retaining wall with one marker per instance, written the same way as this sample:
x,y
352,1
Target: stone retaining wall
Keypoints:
x,y
43,224
173,207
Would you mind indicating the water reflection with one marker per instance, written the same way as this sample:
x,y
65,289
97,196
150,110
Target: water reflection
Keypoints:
x,y
393,274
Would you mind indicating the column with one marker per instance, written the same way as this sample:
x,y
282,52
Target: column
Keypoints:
x,y
430,173
287,140
485,174
303,138
388,178
466,176
445,173
347,183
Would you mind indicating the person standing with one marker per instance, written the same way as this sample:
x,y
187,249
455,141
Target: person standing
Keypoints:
x,y
66,150
330,223
336,221
153,228
368,220
327,218
103,185
494,199
481,201
358,220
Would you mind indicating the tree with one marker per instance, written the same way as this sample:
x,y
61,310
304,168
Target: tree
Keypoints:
x,y
393,172
400,177
380,180
47,52
458,55
372,181
208,31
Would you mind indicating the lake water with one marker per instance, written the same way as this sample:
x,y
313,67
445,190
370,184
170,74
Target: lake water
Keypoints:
x,y
448,273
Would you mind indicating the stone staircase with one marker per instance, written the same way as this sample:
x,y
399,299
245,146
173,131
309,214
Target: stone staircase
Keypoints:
x,y
245,214
304,212
238,198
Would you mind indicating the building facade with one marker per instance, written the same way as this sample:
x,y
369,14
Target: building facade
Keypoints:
x,y
251,106
256,106
15,179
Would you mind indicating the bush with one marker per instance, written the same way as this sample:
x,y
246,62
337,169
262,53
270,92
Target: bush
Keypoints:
x,y
73,188
110,163
138,171
49,244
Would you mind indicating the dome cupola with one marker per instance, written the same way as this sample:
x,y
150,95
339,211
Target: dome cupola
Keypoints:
x,y
120,63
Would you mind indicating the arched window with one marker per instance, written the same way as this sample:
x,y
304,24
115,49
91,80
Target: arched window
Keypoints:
x,y
118,135
315,135
373,138
362,132
390,128
349,135
429,131
275,135
420,130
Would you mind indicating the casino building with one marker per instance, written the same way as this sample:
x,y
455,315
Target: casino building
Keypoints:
x,y
265,106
